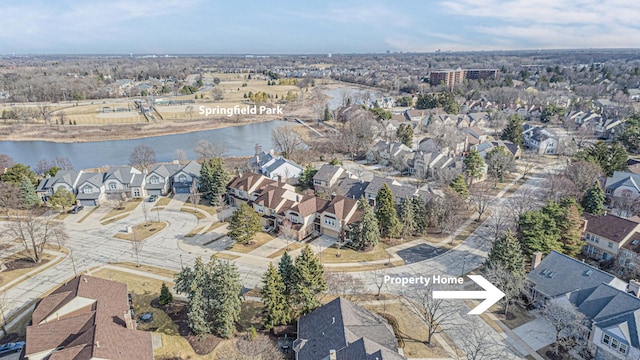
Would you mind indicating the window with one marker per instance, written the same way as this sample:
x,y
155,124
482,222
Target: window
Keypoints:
x,y
623,348
329,221
182,178
614,343
610,244
87,190
112,186
606,339
259,208
136,192
154,180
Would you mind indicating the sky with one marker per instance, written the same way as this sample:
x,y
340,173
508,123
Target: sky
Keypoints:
x,y
313,27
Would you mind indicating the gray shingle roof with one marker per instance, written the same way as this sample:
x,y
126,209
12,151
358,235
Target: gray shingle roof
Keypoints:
x,y
327,172
351,188
606,302
623,178
558,274
628,324
365,349
336,325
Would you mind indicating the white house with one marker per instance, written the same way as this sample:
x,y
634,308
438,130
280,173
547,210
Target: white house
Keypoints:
x,y
539,139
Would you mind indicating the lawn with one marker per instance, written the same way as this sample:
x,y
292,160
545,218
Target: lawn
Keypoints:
x,y
114,219
147,268
517,315
142,231
330,255
412,332
226,256
203,205
394,263
194,232
163,201
18,264
62,216
127,207
258,240
292,247
191,210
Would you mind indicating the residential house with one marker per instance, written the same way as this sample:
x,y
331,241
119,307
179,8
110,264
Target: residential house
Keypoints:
x,y
275,167
387,152
623,184
327,177
158,180
90,190
67,179
539,139
484,147
351,187
184,178
605,235
426,164
337,218
415,115
304,216
244,187
125,179
84,319
342,330
603,299
633,165
400,192
271,202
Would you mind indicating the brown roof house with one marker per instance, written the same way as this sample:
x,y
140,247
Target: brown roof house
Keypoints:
x,y
605,235
341,330
86,318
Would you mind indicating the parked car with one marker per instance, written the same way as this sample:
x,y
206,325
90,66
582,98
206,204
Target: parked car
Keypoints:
x,y
76,209
153,198
12,347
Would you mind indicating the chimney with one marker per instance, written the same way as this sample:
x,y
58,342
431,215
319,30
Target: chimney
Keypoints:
x,y
537,258
332,355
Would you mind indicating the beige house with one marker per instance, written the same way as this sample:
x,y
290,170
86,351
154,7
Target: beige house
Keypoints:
x,y
605,235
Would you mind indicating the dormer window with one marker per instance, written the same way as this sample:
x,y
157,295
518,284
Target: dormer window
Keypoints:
x,y
87,190
154,180
112,186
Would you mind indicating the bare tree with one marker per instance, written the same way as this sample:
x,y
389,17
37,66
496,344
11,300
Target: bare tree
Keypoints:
x,y
436,314
625,205
569,324
206,150
481,198
342,283
476,342
142,157
181,156
527,163
146,210
499,222
583,173
6,161
34,233
136,247
511,284
558,187
248,348
288,232
378,279
3,313
194,195
9,196
62,117
286,140
44,112
189,110
357,134
522,201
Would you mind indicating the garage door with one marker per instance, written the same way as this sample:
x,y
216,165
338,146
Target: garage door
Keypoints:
x,y
157,192
181,190
87,202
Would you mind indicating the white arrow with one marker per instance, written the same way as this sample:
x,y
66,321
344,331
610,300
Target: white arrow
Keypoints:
x,y
491,294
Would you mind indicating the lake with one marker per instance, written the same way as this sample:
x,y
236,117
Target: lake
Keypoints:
x,y
238,140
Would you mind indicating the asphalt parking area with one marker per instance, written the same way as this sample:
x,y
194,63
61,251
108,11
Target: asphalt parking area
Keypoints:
x,y
419,253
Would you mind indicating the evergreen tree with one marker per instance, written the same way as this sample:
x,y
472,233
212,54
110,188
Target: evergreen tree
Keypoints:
x,y
593,201
610,157
473,166
226,297
62,198
213,179
276,305
513,131
404,133
306,178
507,251
538,232
420,214
571,229
327,114
460,186
287,272
28,195
165,295
407,218
17,172
244,224
386,213
310,280
197,315
367,235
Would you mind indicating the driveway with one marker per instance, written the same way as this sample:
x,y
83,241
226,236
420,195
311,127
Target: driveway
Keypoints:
x,y
419,253
536,333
